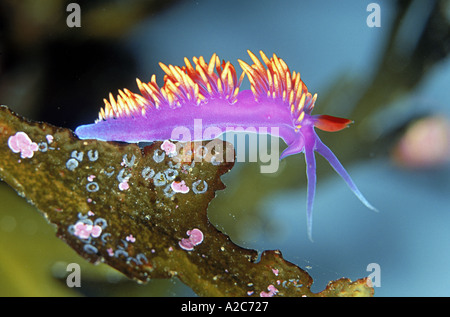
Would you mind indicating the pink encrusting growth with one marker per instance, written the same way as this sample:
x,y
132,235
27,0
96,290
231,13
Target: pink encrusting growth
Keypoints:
x,y
21,143
84,230
169,147
130,238
211,92
271,291
195,238
124,185
179,187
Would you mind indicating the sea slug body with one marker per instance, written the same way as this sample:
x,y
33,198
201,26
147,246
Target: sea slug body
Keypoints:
x,y
209,94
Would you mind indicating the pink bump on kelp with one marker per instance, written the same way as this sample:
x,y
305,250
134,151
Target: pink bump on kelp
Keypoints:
x,y
49,138
272,290
21,143
124,185
169,147
179,187
84,230
195,238
130,238
210,92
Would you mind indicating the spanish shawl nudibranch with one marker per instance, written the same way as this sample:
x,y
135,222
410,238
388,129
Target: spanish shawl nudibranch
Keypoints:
x,y
210,92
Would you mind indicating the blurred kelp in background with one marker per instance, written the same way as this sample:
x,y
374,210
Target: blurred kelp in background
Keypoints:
x,y
57,74
44,61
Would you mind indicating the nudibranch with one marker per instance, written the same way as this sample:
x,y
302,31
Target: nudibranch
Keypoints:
x,y
211,92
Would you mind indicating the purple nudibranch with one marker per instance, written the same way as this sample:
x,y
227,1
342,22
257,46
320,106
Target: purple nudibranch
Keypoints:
x,y
211,92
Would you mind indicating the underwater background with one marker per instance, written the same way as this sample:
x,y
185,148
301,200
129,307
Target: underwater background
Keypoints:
x,y
393,80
